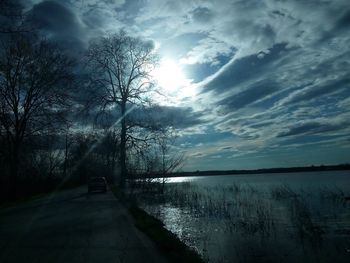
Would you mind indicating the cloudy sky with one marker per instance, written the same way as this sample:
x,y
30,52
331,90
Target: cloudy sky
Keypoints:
x,y
257,83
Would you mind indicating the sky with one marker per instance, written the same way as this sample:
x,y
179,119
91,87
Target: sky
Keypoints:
x,y
254,83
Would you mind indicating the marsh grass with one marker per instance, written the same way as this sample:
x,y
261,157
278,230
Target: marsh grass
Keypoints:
x,y
335,194
245,211
304,224
282,192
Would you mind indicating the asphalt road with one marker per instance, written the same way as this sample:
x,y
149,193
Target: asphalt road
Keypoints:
x,y
73,226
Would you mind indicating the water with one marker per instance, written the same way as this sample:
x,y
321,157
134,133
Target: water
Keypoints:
x,y
289,217
310,179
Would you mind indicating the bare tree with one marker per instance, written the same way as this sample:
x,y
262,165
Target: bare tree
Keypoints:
x,y
109,150
47,157
157,159
122,67
170,159
34,77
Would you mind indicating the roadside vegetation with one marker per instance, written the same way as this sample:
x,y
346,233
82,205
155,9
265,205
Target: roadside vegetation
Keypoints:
x,y
168,243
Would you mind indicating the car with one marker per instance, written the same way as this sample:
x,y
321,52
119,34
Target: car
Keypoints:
x,y
97,184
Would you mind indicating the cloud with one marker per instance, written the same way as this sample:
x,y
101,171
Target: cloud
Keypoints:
x,y
255,92
269,72
344,21
244,69
58,23
339,26
102,16
73,23
227,24
213,48
202,15
315,91
313,127
177,117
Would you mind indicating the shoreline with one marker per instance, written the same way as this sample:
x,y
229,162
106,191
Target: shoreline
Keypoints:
x,y
320,168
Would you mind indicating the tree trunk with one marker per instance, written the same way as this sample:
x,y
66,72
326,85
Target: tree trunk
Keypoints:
x,y
65,157
14,170
123,170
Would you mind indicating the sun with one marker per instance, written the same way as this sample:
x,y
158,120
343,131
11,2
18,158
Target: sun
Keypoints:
x,y
172,80
169,75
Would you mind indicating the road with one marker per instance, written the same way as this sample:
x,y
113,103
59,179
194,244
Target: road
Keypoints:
x,y
73,226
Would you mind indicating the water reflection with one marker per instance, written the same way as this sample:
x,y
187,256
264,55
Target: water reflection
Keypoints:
x,y
266,221
183,179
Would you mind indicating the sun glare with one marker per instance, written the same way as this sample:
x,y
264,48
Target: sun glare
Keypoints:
x,y
172,80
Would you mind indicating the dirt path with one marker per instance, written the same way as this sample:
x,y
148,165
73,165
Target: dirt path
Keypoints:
x,y
72,226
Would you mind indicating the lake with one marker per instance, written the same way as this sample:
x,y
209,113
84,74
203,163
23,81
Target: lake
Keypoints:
x,y
304,179
289,217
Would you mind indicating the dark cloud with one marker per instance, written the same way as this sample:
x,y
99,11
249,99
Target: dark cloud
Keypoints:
x,y
205,138
344,21
58,23
202,15
278,13
226,148
313,128
254,93
245,69
261,124
154,117
53,16
316,91
340,25
178,117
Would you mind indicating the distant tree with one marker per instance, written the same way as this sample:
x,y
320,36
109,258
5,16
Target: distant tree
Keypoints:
x,y
68,142
158,158
47,155
121,68
170,159
34,89
81,159
109,150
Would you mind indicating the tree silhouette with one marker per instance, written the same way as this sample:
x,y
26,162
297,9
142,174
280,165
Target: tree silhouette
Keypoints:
x,y
34,77
121,69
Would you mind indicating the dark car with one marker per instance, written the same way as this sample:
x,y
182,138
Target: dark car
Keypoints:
x,y
97,184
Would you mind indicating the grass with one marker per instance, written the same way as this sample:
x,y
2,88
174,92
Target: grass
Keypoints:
x,y
282,192
167,242
247,212
239,205
336,195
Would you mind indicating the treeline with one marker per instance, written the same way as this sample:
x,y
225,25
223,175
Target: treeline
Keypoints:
x,y
65,118
311,168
